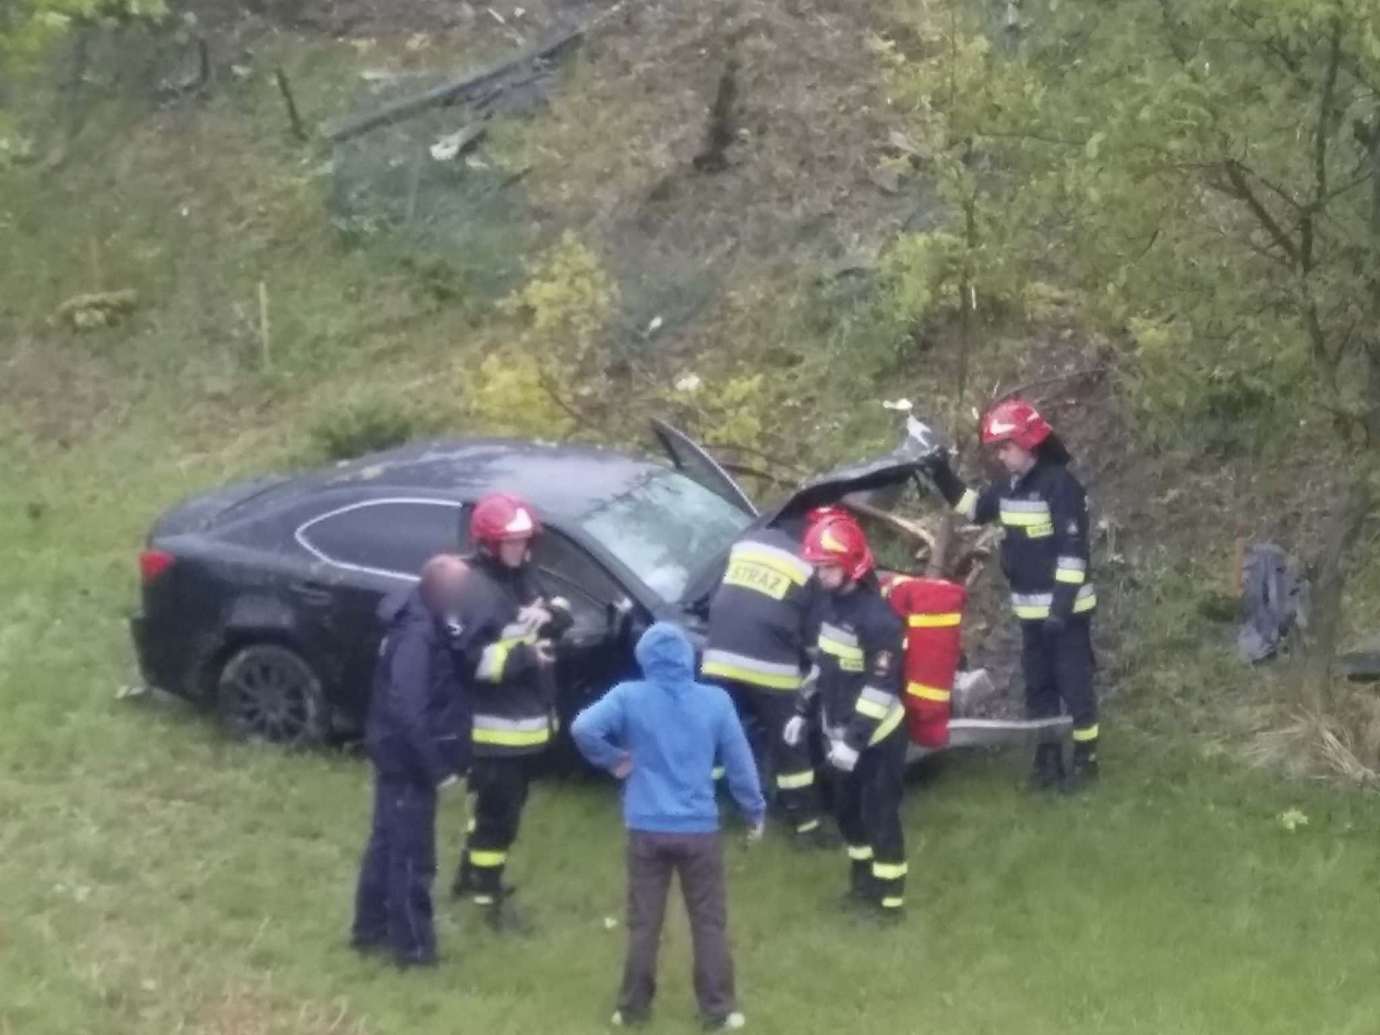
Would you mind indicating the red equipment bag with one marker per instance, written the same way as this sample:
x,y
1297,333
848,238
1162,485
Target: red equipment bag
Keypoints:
x,y
933,612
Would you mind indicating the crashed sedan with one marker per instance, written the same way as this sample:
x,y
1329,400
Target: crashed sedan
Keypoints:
x,y
259,598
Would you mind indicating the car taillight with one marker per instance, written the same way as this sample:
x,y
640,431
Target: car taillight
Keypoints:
x,y
153,563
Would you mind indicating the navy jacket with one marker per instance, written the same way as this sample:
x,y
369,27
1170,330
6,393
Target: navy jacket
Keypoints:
x,y
418,725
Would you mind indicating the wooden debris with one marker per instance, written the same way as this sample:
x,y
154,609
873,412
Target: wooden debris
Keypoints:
x,y
450,92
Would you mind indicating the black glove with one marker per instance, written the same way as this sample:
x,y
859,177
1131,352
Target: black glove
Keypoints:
x,y
561,619
1055,625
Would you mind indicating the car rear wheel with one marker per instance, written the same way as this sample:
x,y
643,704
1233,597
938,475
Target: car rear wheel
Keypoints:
x,y
268,692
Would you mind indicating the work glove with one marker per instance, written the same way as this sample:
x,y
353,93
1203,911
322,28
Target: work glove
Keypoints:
x,y
559,619
534,616
841,756
935,464
545,652
794,732
1055,625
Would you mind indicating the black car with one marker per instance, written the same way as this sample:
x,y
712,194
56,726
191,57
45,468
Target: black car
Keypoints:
x,y
260,597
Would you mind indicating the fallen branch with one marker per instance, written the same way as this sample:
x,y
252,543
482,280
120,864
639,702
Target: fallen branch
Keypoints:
x,y
448,93
912,529
1070,376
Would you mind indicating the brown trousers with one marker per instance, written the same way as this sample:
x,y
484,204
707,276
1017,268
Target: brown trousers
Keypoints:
x,y
698,858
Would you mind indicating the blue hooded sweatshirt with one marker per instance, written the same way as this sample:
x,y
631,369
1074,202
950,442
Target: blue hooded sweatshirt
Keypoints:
x,y
674,729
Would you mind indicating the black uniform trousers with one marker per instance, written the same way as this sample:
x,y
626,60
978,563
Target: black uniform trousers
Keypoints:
x,y
498,792
1059,667
789,770
868,806
393,898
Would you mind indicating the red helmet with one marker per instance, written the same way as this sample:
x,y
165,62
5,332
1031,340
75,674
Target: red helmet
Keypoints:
x,y
815,515
1014,420
839,539
501,518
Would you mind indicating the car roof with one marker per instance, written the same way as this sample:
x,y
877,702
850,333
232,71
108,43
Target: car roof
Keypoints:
x,y
560,481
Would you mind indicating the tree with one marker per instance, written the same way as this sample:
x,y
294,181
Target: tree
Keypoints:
x,y
1209,172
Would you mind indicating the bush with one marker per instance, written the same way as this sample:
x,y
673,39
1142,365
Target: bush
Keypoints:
x,y
352,429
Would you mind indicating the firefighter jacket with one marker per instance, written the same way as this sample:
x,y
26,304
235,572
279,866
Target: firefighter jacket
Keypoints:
x,y
761,616
510,696
1044,552
858,677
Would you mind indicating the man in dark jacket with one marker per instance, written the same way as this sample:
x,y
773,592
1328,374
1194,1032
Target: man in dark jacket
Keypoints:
x,y
417,738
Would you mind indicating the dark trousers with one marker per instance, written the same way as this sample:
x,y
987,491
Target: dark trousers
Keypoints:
x,y
698,859
790,768
393,899
1059,667
498,790
868,805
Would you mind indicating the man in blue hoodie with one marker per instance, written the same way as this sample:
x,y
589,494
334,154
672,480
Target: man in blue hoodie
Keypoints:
x,y
417,736
662,734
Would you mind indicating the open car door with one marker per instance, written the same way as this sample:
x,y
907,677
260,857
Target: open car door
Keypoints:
x,y
691,460
886,475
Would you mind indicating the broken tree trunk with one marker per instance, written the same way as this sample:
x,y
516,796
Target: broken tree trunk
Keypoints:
x,y
450,92
1324,623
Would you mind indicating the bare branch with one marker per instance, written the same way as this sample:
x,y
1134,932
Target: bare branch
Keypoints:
x,y
1241,190
1024,389
1266,182
582,421
1320,139
1002,134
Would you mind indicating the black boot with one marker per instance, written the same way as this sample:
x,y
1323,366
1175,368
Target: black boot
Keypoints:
x,y
816,837
504,917
861,894
1084,771
464,878
1048,771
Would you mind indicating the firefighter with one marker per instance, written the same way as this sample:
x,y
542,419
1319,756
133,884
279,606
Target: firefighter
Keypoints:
x,y
758,648
501,632
855,695
1044,553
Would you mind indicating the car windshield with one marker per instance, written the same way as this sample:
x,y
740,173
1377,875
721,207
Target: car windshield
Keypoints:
x,y
665,528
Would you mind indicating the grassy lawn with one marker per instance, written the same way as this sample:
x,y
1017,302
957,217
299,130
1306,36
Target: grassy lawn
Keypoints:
x,y
156,878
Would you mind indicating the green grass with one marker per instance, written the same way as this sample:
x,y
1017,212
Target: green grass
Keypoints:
x,y
156,878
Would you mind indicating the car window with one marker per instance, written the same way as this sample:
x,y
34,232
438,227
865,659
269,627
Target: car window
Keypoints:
x,y
565,569
383,535
665,528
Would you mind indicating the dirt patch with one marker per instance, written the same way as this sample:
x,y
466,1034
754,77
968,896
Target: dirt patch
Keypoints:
x,y
60,394
246,1009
